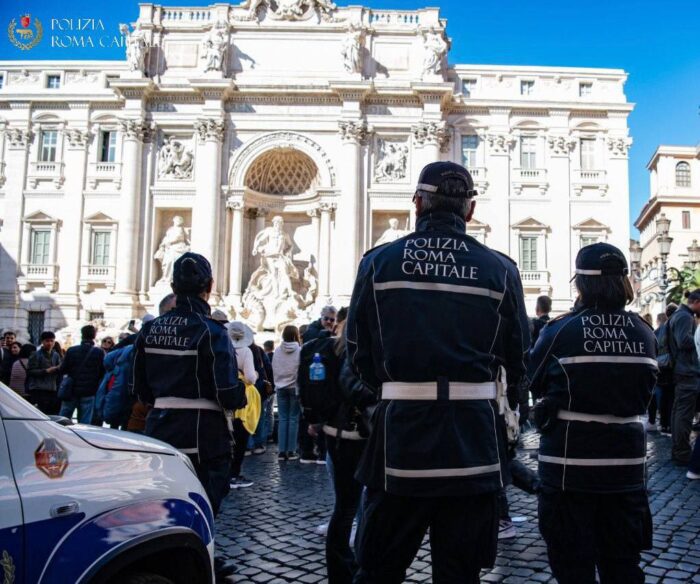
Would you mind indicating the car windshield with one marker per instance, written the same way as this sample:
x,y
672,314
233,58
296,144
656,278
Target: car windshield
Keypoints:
x,y
12,406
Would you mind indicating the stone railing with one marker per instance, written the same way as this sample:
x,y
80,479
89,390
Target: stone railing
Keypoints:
x,y
90,275
104,171
593,177
40,170
41,274
394,18
530,177
185,15
535,278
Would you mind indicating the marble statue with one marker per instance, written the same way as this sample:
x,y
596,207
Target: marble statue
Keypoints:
x,y
391,234
435,51
392,161
289,9
351,50
275,249
176,241
175,160
135,48
214,48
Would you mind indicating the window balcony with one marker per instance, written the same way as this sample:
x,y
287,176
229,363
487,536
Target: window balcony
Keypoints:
x,y
479,175
104,172
589,179
38,275
46,172
97,276
535,279
530,177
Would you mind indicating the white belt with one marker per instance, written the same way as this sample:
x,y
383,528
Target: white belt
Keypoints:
x,y
600,418
345,434
182,403
429,391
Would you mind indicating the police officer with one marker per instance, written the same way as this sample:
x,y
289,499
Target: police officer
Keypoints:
x,y
595,370
185,366
435,319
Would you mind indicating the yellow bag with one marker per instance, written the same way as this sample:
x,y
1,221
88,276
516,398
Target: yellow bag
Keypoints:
x,y
250,414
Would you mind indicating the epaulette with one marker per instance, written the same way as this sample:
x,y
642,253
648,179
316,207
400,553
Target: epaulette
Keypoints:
x,y
370,250
560,317
505,256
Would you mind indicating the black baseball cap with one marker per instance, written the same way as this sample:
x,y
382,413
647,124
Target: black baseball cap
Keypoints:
x,y
191,273
436,173
601,259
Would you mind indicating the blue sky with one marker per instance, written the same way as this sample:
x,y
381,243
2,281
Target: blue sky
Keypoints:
x,y
657,43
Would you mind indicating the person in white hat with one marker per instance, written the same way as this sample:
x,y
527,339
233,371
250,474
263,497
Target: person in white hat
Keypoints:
x,y
241,337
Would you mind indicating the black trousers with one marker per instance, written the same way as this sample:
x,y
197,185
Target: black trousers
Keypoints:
x,y
463,536
668,393
340,559
46,401
240,443
215,475
585,531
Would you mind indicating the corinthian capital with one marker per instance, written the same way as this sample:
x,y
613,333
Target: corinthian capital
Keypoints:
x,y
500,143
354,131
19,137
619,147
431,133
77,138
135,129
209,129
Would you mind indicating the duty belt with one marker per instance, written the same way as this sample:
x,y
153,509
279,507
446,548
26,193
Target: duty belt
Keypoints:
x,y
600,418
427,391
183,403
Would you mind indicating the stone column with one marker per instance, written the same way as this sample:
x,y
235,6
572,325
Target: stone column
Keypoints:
x,y
206,212
347,255
235,285
324,249
134,132
315,227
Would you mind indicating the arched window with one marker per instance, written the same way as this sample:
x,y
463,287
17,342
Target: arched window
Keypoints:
x,y
682,174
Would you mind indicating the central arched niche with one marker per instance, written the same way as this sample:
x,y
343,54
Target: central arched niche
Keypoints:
x,y
282,171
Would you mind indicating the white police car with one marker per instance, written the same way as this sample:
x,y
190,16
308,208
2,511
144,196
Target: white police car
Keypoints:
x,y
82,504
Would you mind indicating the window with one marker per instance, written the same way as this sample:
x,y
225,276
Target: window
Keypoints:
x,y
528,152
587,153
35,325
527,87
47,152
2,81
528,253
588,240
93,316
682,174
108,146
585,89
686,219
101,241
40,243
468,86
53,81
470,144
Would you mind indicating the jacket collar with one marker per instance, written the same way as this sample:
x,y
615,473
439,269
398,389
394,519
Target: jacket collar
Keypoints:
x,y
441,221
89,343
193,304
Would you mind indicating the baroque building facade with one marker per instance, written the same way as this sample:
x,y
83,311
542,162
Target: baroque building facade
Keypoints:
x,y
224,118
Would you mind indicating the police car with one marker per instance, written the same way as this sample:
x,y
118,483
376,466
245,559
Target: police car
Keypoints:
x,y
81,504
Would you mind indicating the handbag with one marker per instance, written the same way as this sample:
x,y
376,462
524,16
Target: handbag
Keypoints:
x,y
65,389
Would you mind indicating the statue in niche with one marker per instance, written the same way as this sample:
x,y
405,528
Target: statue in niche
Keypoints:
x,y
135,48
176,242
435,51
175,160
392,163
393,233
214,48
351,51
275,293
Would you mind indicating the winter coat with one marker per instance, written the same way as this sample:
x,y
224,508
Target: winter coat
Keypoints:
x,y
39,362
285,364
85,364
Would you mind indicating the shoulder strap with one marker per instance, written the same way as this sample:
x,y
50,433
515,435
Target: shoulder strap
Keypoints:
x,y
82,364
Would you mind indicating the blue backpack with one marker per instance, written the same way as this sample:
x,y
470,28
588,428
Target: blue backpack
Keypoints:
x,y
114,400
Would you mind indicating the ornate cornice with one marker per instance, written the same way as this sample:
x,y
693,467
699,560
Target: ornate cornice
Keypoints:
x,y
500,143
235,203
619,147
560,145
353,131
19,137
78,138
136,129
210,129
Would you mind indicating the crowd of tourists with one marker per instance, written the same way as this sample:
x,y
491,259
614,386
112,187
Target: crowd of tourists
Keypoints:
x,y
416,415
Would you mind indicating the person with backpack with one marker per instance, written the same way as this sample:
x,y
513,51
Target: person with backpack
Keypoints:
x,y
686,375
265,387
285,367
113,401
84,366
42,374
662,402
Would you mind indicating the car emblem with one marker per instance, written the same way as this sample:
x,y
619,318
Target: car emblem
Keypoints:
x,y
51,458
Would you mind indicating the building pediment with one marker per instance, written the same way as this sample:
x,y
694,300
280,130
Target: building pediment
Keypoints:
x,y
99,218
591,225
39,217
530,224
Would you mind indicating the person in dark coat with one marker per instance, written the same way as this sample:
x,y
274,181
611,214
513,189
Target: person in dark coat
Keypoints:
x,y
84,364
42,373
8,357
542,310
594,370
329,315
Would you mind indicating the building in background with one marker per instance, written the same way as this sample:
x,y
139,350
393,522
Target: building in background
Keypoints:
x,y
673,206
225,117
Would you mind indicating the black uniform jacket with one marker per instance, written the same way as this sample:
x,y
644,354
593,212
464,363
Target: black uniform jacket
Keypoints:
x,y
601,363
185,354
436,305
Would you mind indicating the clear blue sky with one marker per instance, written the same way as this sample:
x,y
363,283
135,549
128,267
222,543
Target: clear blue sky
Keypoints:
x,y
657,43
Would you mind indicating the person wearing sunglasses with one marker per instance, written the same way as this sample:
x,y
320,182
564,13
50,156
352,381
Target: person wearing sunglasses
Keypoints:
x,y
329,316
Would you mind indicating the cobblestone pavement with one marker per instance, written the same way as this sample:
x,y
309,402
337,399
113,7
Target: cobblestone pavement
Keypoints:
x,y
269,528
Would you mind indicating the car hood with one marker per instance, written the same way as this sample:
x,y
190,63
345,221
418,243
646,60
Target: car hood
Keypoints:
x,y
108,439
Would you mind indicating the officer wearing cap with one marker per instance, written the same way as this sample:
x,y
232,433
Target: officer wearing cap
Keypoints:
x,y
436,322
185,367
594,370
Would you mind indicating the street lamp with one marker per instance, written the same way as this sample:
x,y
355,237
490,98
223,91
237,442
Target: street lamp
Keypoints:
x,y
694,253
657,277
